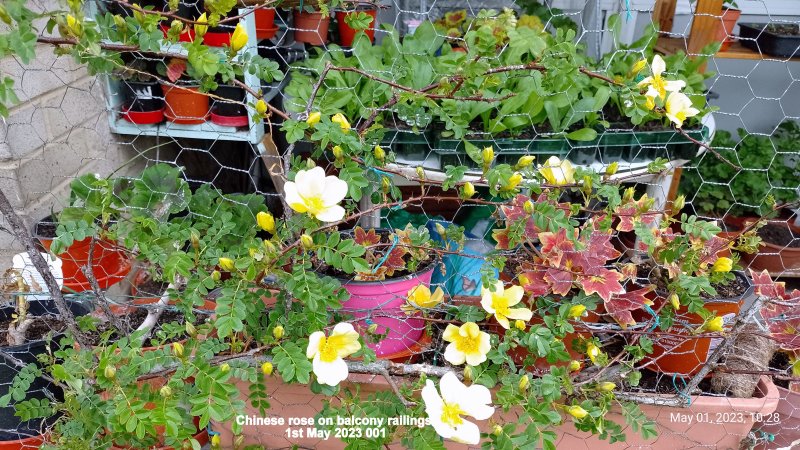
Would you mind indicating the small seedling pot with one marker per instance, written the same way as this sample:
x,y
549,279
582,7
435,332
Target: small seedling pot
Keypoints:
x,y
231,111
185,104
311,27
265,23
144,103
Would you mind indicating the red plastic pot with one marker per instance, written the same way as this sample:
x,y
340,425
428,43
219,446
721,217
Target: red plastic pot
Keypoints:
x,y
265,23
311,27
213,39
185,104
22,444
109,264
348,34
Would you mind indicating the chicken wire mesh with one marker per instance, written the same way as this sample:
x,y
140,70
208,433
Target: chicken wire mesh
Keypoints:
x,y
735,165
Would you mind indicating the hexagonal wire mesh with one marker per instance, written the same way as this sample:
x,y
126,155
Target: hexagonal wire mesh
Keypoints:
x,y
737,164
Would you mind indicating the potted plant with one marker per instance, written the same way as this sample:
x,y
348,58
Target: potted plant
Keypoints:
x,y
751,193
353,18
185,104
186,9
397,262
311,24
143,103
34,330
780,312
774,39
730,15
265,23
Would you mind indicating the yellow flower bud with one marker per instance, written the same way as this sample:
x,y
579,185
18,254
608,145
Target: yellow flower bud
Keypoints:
x,y
307,241
525,161
278,332
675,301
176,26
215,275
195,239
266,368
310,164
420,172
225,368
201,26
239,38
577,412
177,349
313,118
379,153
190,329
441,229
372,329
215,441
593,352
519,324
261,107
678,204
722,264
488,156
165,391
119,21
715,324
606,386
523,383
497,430
612,168
577,311
527,207
386,184
638,66
74,26
110,372
468,373
338,153
574,366
468,190
514,181
227,264
342,121
266,221
268,246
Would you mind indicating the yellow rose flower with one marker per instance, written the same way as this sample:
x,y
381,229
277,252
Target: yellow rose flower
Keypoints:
x,y
722,264
313,118
266,221
467,344
342,121
558,172
500,302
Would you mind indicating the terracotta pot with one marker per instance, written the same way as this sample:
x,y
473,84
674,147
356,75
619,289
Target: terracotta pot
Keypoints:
x,y
23,444
783,424
311,27
775,258
346,33
725,28
265,23
682,353
297,401
185,104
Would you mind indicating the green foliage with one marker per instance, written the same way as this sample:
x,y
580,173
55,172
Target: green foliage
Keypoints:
x,y
768,176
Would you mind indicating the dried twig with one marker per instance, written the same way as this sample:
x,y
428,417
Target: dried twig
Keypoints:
x,y
88,272
707,147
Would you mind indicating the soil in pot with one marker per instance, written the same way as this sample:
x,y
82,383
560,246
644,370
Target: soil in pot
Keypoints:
x,y
185,104
779,251
311,27
683,354
46,324
348,34
230,111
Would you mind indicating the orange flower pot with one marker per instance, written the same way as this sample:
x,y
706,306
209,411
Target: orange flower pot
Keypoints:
x,y
185,105
725,29
311,27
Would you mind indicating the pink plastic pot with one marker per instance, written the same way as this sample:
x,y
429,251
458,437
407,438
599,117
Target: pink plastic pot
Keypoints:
x,y
379,302
783,424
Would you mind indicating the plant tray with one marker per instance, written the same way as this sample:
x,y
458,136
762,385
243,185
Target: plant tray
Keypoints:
x,y
756,37
611,145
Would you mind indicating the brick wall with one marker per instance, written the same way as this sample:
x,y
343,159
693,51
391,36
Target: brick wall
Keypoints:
x,y
58,131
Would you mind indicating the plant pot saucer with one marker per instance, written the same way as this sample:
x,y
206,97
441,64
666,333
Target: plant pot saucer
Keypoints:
x,y
143,117
266,33
230,121
185,120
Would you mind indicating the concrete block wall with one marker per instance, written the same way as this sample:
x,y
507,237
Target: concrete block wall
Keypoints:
x,y
58,131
